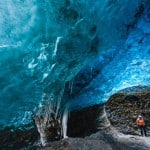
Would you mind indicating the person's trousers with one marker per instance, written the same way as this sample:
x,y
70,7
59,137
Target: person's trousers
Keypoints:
x,y
143,130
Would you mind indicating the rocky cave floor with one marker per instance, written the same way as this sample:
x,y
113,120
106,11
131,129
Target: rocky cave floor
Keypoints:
x,y
107,139
110,139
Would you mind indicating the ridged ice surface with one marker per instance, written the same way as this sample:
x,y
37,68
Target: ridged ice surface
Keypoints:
x,y
44,44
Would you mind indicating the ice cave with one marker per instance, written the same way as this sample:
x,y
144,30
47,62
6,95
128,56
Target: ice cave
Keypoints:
x,y
60,56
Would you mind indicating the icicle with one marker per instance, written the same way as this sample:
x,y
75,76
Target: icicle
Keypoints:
x,y
64,122
56,45
58,106
58,103
71,86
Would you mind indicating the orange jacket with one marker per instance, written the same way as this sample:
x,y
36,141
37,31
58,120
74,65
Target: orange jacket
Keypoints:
x,y
140,122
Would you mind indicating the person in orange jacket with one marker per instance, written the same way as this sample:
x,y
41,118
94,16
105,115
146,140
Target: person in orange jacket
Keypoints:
x,y
141,124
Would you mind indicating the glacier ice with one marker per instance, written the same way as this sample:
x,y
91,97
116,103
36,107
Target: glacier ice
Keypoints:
x,y
44,44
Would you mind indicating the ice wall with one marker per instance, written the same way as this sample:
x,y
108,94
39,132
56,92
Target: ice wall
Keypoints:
x,y
44,44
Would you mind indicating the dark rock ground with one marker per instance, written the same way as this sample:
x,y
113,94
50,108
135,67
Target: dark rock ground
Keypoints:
x,y
107,139
110,139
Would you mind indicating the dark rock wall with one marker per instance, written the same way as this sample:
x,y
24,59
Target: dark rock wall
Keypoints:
x,y
124,107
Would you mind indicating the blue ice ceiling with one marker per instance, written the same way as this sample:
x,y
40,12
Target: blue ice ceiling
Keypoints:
x,y
46,44
119,68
